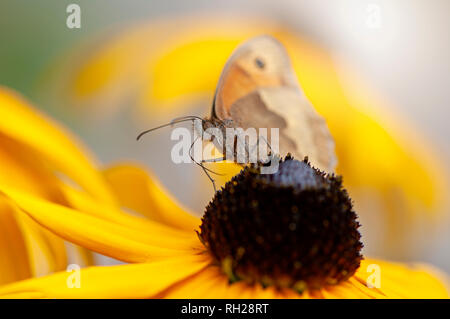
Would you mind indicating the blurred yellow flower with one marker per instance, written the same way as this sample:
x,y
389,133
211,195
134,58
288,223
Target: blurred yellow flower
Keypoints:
x,y
167,258
34,155
167,66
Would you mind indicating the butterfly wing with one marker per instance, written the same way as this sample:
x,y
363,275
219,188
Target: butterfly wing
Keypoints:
x,y
302,131
258,88
259,62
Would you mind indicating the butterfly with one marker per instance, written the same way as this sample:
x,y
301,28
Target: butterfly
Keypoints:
x,y
258,88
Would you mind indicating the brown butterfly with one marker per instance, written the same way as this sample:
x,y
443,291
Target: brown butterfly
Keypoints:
x,y
258,89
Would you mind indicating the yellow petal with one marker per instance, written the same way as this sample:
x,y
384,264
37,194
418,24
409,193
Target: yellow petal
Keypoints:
x,y
402,281
124,281
397,281
14,261
345,290
204,283
83,202
47,252
81,256
213,284
56,250
22,168
141,192
103,236
28,249
25,295
26,126
208,283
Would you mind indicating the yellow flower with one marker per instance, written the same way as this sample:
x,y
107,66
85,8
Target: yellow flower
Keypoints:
x,y
167,259
169,65
34,154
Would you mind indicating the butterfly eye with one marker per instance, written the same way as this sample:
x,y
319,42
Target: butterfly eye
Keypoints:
x,y
259,63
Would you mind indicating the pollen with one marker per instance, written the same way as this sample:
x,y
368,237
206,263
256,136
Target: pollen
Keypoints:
x,y
294,229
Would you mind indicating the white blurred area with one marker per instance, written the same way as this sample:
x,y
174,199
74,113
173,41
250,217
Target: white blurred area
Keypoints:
x,y
399,48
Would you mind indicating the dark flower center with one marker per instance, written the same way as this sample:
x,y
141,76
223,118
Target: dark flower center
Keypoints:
x,y
295,228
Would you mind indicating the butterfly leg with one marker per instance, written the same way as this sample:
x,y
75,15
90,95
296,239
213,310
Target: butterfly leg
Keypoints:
x,y
210,178
267,143
257,144
206,170
211,160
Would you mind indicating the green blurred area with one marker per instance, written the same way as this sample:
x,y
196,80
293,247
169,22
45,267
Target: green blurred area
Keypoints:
x,y
32,34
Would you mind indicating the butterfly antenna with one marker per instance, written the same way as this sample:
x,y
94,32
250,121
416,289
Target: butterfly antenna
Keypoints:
x,y
174,121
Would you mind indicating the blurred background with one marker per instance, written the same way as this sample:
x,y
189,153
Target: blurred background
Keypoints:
x,y
136,64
